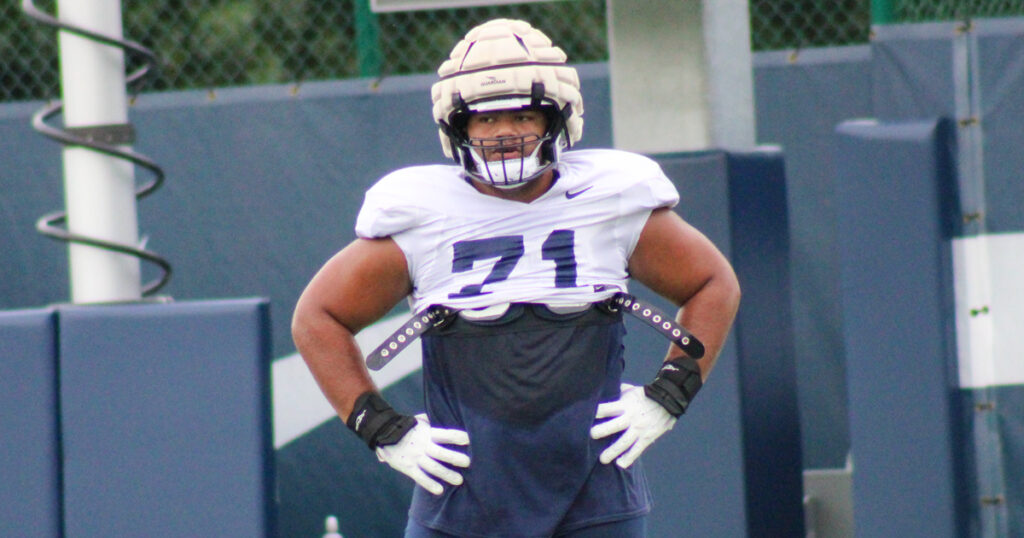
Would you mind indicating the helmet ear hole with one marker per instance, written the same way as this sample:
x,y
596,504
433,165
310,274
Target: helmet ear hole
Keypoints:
x,y
536,93
564,116
458,103
445,128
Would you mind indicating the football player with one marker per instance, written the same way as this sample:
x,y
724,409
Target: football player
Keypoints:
x,y
519,255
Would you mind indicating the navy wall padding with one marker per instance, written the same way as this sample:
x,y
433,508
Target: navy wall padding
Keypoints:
x,y
34,268
745,424
994,418
1001,83
764,331
912,71
801,96
165,417
695,471
30,466
1010,423
896,295
914,67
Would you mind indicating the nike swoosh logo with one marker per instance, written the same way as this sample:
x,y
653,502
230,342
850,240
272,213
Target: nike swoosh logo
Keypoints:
x,y
571,195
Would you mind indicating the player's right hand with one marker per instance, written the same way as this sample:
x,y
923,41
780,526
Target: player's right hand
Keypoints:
x,y
420,456
640,419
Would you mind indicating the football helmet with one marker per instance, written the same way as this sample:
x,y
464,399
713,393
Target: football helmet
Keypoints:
x,y
506,64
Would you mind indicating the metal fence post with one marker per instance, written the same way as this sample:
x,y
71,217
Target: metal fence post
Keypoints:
x,y
367,43
881,12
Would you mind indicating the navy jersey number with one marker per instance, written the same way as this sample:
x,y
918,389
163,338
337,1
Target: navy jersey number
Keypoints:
x,y
559,247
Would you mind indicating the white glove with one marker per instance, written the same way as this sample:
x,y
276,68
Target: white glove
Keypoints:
x,y
419,454
640,419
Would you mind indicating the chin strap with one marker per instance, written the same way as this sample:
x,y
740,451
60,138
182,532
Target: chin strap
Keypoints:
x,y
436,315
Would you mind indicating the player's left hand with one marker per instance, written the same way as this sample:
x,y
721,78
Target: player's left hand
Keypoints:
x,y
640,419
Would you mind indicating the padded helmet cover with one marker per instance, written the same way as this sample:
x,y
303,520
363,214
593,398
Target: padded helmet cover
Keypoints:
x,y
505,58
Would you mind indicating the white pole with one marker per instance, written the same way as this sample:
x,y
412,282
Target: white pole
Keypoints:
x,y
99,190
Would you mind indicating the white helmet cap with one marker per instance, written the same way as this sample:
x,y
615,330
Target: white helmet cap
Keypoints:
x,y
506,64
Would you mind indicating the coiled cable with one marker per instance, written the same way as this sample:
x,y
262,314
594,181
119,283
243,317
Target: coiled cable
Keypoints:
x,y
51,224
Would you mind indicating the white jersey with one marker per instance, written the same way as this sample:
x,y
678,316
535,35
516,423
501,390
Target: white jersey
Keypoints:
x,y
467,250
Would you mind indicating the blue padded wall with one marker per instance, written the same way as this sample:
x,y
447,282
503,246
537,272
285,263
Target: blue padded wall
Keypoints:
x,y
695,471
801,96
736,454
30,466
895,180
165,414
915,72
773,462
1000,44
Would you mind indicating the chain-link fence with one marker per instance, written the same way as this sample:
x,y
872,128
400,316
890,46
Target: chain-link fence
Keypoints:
x,y
219,43
788,24
945,10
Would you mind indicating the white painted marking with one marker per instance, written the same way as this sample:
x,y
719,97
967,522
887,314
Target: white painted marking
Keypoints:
x,y
989,286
